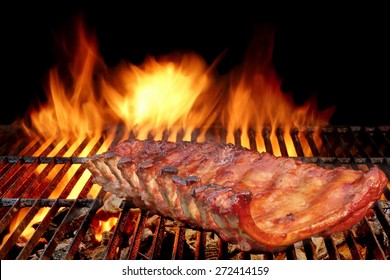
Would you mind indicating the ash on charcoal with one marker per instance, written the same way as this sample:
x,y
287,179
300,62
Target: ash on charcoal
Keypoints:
x,y
211,251
362,230
191,239
53,226
280,256
320,249
258,257
61,249
91,251
76,218
300,251
59,253
385,205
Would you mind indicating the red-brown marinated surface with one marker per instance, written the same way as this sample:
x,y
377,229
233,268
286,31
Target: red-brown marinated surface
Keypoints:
x,y
256,200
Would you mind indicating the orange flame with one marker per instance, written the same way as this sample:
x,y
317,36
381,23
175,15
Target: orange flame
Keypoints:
x,y
70,111
174,93
104,226
159,94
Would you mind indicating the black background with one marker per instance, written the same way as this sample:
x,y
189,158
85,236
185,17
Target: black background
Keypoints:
x,y
340,56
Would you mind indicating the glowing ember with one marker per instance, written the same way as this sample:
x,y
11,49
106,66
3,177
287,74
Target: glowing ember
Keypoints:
x,y
174,93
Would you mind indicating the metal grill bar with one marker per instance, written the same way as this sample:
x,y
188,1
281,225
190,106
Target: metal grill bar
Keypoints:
x,y
135,241
291,253
282,144
28,185
154,251
40,230
158,241
120,233
331,249
267,142
23,190
72,250
62,229
373,241
297,143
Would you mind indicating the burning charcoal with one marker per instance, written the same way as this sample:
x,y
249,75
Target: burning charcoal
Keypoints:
x,y
152,222
280,256
92,250
385,205
124,253
300,251
338,238
379,232
39,252
342,246
53,226
232,251
61,249
147,233
146,243
34,257
345,253
362,230
76,219
170,227
190,237
107,235
320,250
82,247
89,238
211,252
98,252
85,250
259,257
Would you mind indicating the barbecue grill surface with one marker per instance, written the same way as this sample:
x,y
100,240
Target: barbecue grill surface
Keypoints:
x,y
65,231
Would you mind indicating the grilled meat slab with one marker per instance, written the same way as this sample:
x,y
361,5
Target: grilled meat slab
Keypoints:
x,y
256,200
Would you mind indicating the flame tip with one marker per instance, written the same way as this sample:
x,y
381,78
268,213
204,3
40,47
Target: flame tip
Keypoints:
x,y
172,90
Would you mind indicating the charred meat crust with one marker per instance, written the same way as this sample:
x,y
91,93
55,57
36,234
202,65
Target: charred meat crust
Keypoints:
x,y
256,200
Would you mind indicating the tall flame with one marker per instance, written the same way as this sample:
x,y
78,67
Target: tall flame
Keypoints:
x,y
159,94
72,103
256,100
174,92
167,95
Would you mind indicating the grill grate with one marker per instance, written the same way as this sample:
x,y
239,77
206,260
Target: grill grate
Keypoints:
x,y
30,176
